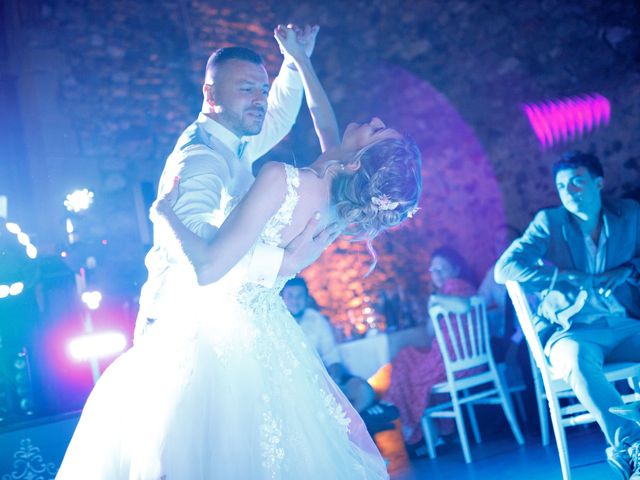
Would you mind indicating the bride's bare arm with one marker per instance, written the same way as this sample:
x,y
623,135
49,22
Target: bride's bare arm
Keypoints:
x,y
322,114
238,233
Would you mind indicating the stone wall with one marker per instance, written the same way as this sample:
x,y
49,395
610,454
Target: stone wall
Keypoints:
x,y
115,82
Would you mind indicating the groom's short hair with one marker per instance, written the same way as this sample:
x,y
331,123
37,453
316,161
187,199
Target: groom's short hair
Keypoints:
x,y
223,55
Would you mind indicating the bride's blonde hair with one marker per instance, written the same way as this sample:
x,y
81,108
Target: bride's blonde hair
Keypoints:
x,y
383,192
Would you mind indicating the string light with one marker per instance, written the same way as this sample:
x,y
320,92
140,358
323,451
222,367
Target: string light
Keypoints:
x,y
13,228
23,239
92,299
79,200
32,251
14,289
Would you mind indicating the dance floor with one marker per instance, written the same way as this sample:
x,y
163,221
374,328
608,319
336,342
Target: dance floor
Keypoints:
x,y
499,457
41,444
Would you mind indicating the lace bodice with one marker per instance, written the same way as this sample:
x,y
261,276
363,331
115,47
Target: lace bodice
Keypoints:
x,y
272,233
252,293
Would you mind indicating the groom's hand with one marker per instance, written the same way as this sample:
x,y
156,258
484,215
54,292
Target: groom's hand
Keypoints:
x,y
305,249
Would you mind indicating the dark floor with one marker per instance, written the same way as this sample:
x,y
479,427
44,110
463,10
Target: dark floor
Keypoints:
x,y
499,457
36,448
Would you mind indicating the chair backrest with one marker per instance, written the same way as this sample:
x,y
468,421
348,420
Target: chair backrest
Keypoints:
x,y
526,319
463,337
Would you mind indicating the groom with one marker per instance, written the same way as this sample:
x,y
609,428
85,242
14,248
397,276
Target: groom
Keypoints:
x,y
241,120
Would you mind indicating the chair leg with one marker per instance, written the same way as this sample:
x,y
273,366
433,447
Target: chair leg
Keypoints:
x,y
501,370
474,421
462,432
561,439
519,405
634,384
427,430
508,409
544,418
538,387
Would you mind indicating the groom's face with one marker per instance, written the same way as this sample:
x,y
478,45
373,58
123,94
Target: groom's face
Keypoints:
x,y
240,91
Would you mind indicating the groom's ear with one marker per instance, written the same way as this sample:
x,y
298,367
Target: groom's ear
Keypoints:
x,y
207,92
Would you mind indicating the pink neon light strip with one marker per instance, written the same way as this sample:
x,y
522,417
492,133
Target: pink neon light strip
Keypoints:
x,y
569,118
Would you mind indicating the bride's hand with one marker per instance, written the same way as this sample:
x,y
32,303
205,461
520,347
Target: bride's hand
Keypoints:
x,y
307,38
165,202
292,43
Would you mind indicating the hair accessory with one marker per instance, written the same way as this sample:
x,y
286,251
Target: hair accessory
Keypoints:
x,y
383,202
413,211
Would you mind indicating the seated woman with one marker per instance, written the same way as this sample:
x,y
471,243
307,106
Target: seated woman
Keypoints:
x,y
414,370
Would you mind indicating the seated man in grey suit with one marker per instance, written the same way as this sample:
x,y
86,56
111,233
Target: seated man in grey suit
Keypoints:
x,y
586,253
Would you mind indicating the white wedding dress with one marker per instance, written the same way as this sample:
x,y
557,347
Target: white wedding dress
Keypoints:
x,y
222,387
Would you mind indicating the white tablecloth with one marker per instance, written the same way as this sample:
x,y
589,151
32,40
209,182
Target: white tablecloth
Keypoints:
x,y
365,356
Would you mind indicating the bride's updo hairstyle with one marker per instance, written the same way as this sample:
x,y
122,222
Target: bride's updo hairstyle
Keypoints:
x,y
383,192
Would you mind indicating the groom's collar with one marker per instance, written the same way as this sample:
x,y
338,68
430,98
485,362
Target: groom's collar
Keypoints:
x,y
224,135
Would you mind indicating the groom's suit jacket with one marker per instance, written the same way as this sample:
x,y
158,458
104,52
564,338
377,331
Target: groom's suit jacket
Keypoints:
x,y
214,167
553,241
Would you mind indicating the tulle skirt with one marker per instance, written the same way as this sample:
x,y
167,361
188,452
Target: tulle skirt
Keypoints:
x,y
224,386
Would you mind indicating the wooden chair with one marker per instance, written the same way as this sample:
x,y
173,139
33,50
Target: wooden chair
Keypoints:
x,y
548,386
464,342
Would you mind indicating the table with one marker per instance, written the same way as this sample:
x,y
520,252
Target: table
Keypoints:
x,y
365,356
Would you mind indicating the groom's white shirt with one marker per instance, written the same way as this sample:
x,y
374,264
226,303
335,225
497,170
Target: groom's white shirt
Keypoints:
x,y
213,179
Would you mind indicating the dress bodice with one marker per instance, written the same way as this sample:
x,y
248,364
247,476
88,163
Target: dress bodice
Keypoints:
x,y
252,294
272,233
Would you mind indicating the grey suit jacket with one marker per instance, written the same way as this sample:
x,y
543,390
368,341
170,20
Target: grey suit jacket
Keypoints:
x,y
553,241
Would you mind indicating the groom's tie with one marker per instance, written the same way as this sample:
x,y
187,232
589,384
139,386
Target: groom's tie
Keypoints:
x,y
241,146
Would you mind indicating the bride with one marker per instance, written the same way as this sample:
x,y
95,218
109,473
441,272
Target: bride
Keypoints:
x,y
226,387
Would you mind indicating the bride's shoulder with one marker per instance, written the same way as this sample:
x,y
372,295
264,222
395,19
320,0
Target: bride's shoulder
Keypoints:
x,y
272,170
274,174
279,172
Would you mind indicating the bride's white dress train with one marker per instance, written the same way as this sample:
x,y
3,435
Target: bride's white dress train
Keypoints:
x,y
222,387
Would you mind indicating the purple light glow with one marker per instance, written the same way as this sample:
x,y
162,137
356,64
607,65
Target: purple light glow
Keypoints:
x,y
566,119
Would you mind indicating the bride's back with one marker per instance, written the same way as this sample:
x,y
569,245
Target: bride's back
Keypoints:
x,y
313,196
375,189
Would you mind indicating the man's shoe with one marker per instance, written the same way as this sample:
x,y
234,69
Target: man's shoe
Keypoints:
x,y
417,450
619,460
380,416
625,459
634,454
